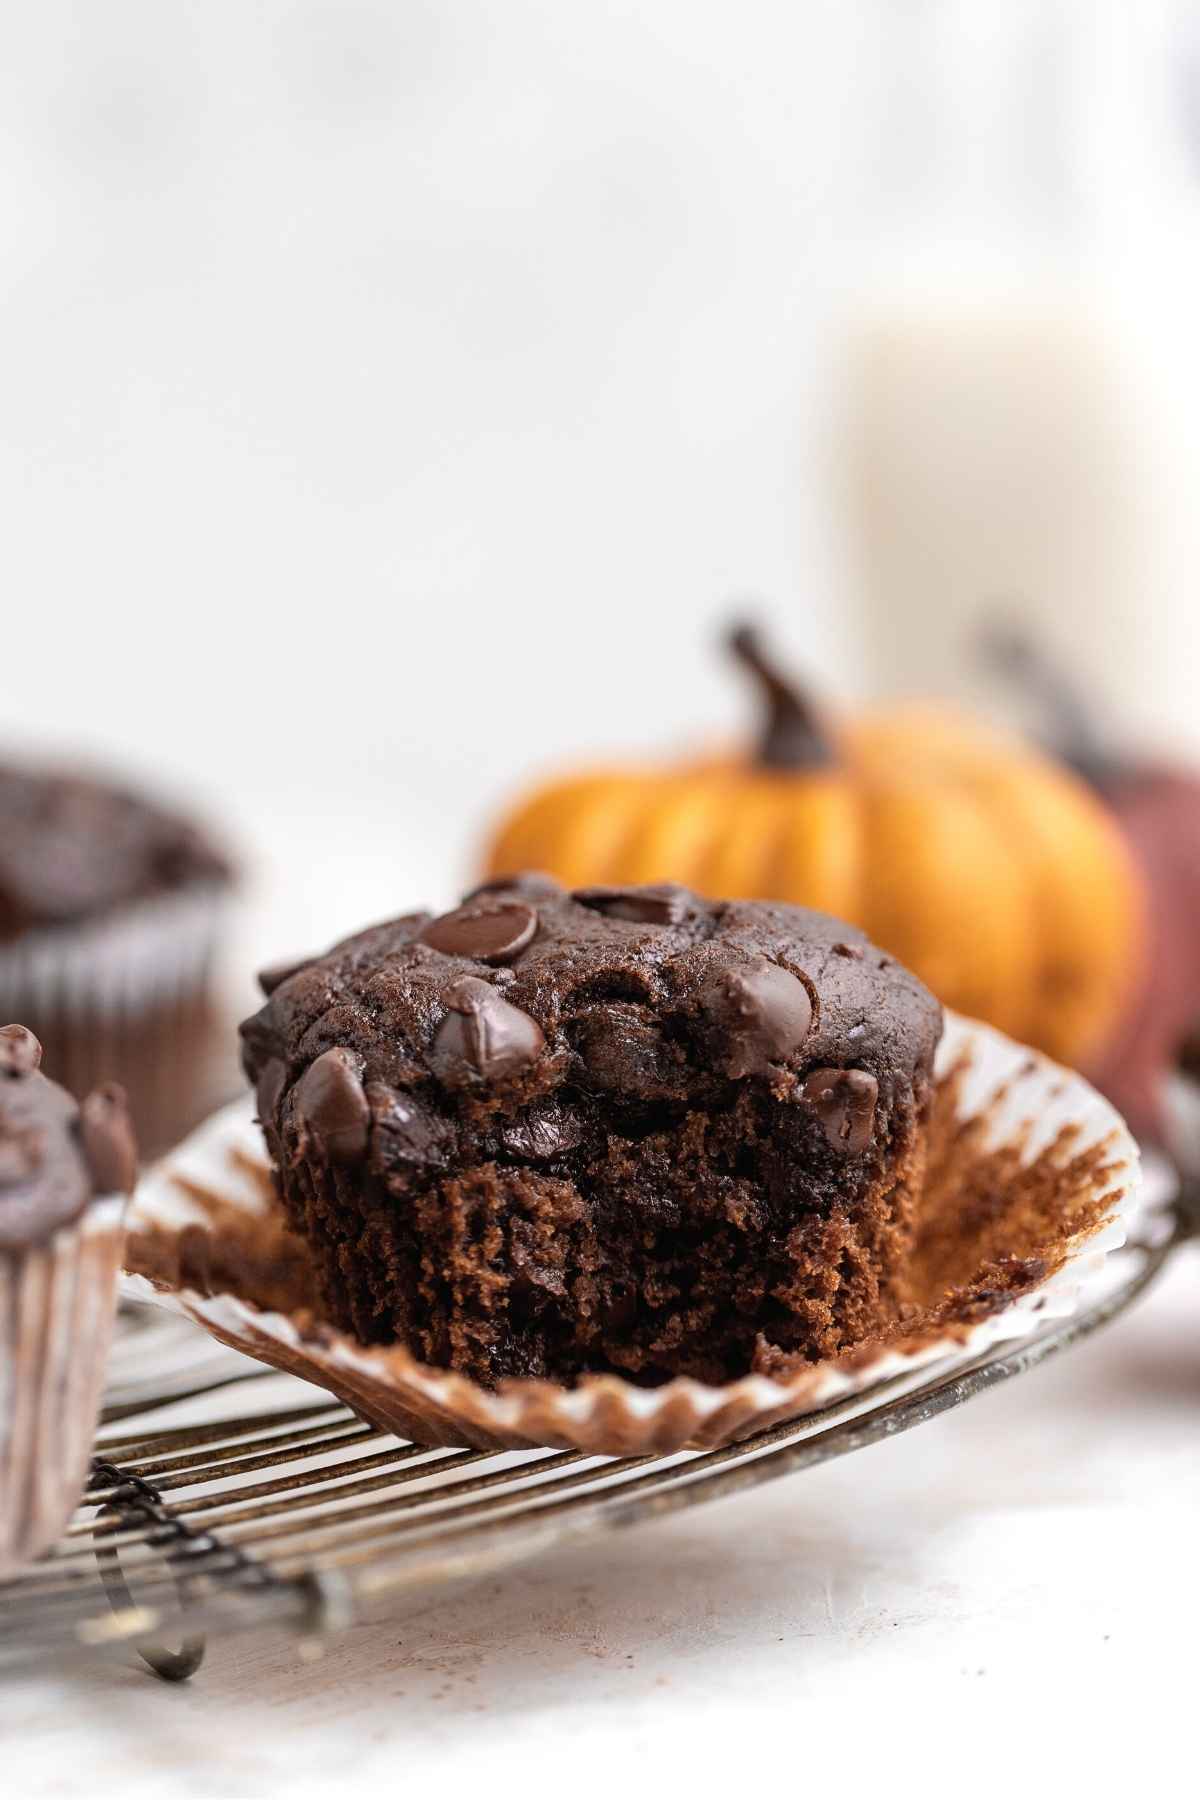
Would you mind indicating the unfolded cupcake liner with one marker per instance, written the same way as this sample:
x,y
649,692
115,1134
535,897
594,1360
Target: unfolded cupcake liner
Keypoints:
x,y
1034,1178
127,995
57,1308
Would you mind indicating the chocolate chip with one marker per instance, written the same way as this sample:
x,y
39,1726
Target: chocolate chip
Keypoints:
x,y
853,951
405,1134
482,1034
267,1089
664,904
491,931
531,884
759,1014
844,1101
20,1052
277,973
626,1052
543,1131
109,1146
330,1103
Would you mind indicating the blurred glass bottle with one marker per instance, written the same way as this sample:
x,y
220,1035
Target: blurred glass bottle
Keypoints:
x,y
1016,424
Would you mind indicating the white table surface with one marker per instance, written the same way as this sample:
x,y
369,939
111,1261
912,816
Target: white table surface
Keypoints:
x,y
1012,1585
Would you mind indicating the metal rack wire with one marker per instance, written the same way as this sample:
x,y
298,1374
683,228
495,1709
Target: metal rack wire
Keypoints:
x,y
224,1495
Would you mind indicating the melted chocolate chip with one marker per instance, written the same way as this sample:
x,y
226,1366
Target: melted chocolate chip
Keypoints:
x,y
20,1052
404,1133
277,973
106,1135
483,1035
625,1052
491,931
759,1014
844,1101
665,904
543,1131
331,1105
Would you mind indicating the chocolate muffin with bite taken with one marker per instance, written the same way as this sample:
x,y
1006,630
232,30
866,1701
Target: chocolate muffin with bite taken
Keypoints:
x,y
620,1129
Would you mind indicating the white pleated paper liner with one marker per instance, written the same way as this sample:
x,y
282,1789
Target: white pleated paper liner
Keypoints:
x,y
58,1302
1027,1149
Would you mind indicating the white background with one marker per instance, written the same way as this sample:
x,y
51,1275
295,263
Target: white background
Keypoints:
x,y
393,394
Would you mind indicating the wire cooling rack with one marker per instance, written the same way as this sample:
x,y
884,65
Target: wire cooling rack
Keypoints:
x,y
226,1496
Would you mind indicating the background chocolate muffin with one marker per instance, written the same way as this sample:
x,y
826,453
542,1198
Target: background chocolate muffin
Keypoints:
x,y
618,1129
109,906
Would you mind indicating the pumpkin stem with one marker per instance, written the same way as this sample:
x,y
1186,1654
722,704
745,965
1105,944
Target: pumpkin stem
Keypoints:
x,y
794,736
1012,653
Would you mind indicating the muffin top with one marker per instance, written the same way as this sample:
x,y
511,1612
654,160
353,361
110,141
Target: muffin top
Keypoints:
x,y
55,1155
73,848
648,995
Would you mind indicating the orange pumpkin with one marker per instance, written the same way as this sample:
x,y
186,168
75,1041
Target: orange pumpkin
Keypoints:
x,y
984,866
